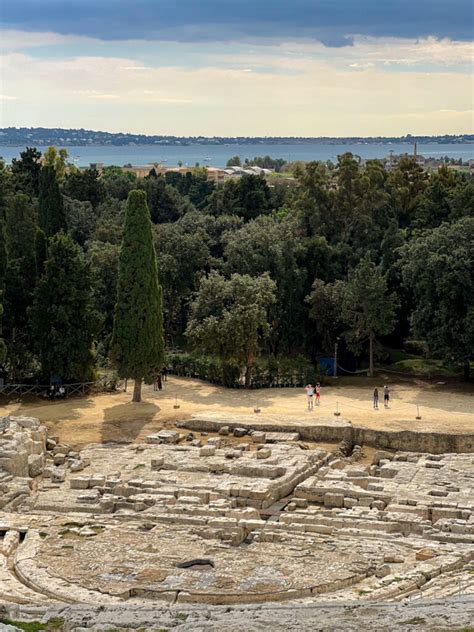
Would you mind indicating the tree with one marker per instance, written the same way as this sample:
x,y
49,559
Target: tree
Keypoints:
x,y
182,255
137,347
56,160
85,186
438,267
80,219
20,280
230,317
268,244
63,320
52,217
367,307
26,171
234,162
41,251
325,302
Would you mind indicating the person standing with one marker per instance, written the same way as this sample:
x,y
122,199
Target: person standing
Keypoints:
x,y
318,394
164,373
159,382
376,397
309,395
386,396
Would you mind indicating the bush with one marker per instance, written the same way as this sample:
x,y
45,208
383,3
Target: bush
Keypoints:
x,y
266,372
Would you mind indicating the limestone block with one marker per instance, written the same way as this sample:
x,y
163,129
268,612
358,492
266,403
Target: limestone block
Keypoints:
x,y
224,431
164,436
58,475
91,496
393,558
264,453
215,441
350,502
240,432
382,571
258,437
157,463
388,472
233,454
59,458
76,465
97,480
207,450
333,500
35,465
378,504
381,454
80,482
425,554
26,422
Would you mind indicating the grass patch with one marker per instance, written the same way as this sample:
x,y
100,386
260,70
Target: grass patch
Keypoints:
x,y
425,368
415,621
364,592
139,466
53,625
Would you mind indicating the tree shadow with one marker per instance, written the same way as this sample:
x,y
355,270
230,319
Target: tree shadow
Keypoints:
x,y
124,423
48,411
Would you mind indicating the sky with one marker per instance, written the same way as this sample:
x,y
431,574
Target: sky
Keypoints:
x,y
239,67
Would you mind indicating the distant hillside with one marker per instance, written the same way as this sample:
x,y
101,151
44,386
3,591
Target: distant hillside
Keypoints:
x,y
23,136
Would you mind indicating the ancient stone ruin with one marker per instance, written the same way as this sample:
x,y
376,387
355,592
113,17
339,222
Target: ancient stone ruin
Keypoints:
x,y
228,518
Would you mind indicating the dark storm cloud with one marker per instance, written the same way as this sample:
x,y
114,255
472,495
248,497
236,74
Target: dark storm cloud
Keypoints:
x,y
329,21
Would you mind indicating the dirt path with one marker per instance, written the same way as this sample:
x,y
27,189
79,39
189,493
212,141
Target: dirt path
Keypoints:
x,y
112,417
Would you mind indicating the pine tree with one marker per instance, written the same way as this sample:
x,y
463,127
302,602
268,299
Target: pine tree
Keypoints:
x,y
63,319
137,342
52,217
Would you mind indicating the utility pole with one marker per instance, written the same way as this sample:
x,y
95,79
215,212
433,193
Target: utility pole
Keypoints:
x,y
335,356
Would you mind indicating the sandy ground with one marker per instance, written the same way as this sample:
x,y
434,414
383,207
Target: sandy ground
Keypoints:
x,y
113,417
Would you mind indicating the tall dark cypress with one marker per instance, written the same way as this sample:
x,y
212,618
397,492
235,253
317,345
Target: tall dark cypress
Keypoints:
x,y
52,217
137,347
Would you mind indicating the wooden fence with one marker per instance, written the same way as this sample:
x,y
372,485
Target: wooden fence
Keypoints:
x,y
103,384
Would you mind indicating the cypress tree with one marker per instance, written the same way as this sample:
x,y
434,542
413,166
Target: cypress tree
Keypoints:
x,y
63,320
137,347
52,217
41,251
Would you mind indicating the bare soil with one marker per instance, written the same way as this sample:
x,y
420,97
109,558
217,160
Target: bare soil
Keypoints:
x,y
113,417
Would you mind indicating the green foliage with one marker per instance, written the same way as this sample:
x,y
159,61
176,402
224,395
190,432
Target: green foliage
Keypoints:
x,y
57,160
52,218
26,171
367,306
64,323
137,345
234,162
229,318
438,268
19,281
85,186
41,251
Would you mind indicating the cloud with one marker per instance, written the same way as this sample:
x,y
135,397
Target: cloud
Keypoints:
x,y
12,40
330,21
320,98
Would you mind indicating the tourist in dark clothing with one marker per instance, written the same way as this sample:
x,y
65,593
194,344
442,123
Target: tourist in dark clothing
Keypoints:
x,y
376,397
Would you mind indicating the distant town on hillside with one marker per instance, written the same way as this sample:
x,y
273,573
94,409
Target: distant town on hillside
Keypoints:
x,y
21,136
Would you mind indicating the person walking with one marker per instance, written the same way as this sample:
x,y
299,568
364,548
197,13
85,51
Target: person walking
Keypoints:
x,y
159,382
318,394
376,397
309,395
164,373
386,396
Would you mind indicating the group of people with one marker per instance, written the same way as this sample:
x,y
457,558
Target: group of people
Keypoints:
x,y
56,391
314,393
160,378
386,397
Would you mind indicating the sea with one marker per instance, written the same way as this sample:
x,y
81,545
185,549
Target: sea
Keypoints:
x,y
217,155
